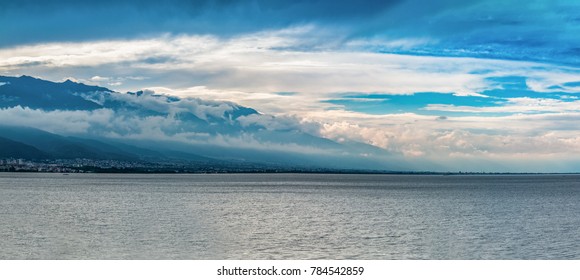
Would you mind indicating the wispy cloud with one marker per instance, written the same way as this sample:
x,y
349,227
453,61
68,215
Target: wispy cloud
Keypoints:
x,y
515,105
261,64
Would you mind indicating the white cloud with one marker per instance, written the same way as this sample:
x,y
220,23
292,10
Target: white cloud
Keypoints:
x,y
492,137
389,44
126,125
543,81
514,105
266,62
281,123
99,79
76,121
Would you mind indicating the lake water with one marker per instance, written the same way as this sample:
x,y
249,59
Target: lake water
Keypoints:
x,y
288,216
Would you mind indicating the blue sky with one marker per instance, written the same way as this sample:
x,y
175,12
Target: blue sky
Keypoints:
x,y
492,82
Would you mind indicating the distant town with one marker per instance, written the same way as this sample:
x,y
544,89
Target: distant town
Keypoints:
x,y
83,165
71,165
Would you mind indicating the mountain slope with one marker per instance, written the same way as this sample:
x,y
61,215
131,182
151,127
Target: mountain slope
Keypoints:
x,y
13,149
63,147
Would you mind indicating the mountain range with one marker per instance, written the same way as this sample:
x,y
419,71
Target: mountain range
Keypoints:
x,y
43,120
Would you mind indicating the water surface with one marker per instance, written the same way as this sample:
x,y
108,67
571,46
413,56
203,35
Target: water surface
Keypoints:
x,y
288,216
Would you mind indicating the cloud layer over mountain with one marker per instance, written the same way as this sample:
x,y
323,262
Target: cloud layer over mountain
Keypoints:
x,y
160,120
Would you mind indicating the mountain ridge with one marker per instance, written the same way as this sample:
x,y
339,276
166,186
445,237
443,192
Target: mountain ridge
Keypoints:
x,y
82,121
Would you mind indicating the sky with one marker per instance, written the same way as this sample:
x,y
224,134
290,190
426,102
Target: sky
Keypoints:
x,y
474,85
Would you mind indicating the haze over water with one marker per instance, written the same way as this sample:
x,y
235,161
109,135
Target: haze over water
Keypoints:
x,y
289,216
